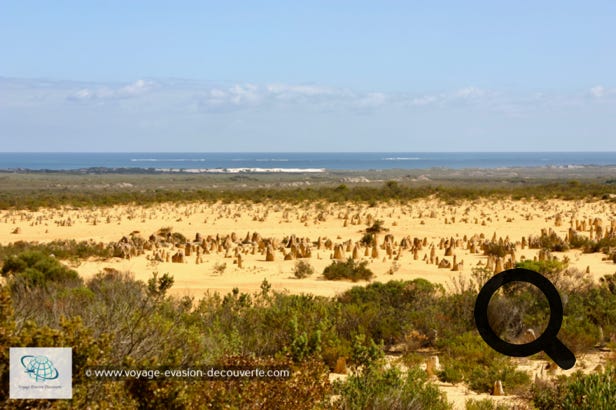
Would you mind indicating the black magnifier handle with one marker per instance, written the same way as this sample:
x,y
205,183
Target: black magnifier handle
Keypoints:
x,y
561,355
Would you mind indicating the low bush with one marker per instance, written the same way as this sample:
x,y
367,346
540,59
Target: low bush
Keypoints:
x,y
550,242
348,270
577,392
466,357
377,227
452,373
368,239
61,249
388,389
219,268
578,241
34,268
547,268
498,249
302,269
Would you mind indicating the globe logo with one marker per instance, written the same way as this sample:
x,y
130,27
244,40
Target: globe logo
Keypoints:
x,y
39,368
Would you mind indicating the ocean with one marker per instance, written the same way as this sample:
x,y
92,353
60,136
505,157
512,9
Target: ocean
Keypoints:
x,y
301,161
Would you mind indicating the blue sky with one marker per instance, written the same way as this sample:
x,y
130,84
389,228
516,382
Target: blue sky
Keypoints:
x,y
307,76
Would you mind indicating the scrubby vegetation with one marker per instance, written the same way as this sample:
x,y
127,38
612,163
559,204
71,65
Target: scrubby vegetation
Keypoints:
x,y
388,389
467,359
348,270
499,249
31,269
68,249
550,242
190,188
376,227
577,392
302,269
113,319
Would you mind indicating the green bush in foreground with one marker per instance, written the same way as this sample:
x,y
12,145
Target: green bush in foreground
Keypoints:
x,y
348,270
388,389
580,392
468,359
34,268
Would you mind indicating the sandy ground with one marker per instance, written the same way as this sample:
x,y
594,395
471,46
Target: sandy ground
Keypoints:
x,y
431,221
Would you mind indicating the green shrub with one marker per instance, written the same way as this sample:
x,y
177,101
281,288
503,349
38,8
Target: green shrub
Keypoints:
x,y
388,311
387,389
578,333
366,353
578,241
302,269
452,373
480,366
482,378
547,268
368,239
550,242
348,270
595,391
62,249
34,268
498,249
377,227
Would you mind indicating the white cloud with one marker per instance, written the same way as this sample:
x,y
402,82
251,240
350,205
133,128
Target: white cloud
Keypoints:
x,y
466,94
371,100
195,97
248,94
239,96
136,88
425,100
597,91
470,92
287,90
601,92
106,92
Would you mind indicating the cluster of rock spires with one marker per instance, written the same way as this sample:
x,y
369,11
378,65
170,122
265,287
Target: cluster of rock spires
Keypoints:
x,y
168,246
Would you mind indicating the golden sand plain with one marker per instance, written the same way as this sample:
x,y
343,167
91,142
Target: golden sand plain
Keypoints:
x,y
429,220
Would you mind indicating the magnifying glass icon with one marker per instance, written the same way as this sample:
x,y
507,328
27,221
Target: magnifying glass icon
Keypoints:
x,y
547,342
